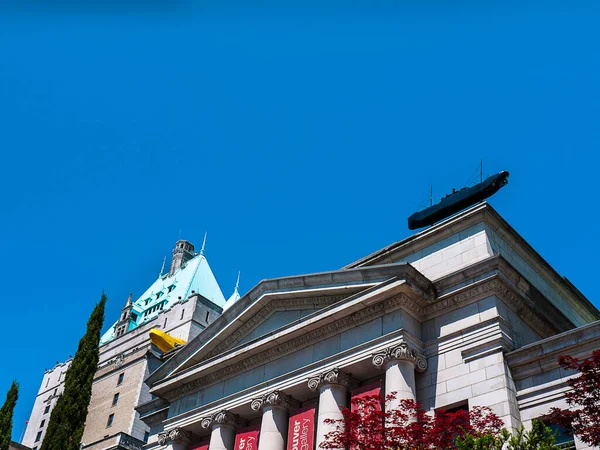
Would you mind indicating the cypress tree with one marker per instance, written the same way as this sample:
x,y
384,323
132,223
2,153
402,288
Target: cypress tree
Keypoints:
x,y
6,415
67,421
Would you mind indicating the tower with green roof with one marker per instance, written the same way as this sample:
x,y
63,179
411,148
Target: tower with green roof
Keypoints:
x,y
181,302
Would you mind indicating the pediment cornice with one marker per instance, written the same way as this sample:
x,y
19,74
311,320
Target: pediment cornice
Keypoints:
x,y
285,291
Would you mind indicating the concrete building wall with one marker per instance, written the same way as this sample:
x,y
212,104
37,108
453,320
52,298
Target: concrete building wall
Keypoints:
x,y
101,405
51,387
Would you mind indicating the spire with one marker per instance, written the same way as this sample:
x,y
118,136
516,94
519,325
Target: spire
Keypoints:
x,y
162,269
235,296
203,243
129,301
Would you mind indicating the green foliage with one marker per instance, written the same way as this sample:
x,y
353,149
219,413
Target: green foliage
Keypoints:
x,y
67,420
539,437
6,415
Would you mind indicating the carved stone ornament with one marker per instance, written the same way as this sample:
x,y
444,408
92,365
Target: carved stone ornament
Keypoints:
x,y
333,376
275,398
400,352
175,435
223,417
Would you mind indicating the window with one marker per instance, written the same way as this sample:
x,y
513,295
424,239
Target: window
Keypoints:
x,y
35,448
146,437
47,381
38,437
564,438
42,423
121,377
47,409
206,320
115,399
182,313
55,391
165,325
110,420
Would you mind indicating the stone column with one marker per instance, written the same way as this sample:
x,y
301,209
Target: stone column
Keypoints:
x,y
276,407
333,388
400,362
176,439
223,426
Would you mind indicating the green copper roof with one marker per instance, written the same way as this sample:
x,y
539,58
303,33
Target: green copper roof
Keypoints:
x,y
195,275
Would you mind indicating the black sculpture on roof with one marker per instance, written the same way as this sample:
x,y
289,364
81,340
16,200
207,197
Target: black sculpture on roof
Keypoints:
x,y
457,201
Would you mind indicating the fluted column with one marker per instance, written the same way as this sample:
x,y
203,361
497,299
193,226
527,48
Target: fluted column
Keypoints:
x,y
276,407
223,426
176,439
333,388
400,362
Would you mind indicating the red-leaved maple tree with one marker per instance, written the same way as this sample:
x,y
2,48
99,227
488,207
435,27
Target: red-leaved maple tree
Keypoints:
x,y
584,399
368,425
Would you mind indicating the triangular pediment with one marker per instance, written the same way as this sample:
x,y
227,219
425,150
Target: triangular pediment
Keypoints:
x,y
274,315
294,304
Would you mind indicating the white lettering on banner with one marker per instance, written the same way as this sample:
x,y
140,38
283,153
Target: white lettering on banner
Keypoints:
x,y
300,438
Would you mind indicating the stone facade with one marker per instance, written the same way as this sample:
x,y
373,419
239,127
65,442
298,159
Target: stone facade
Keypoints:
x,y
464,313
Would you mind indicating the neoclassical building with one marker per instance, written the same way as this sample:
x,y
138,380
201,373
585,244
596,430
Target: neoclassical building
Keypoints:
x,y
461,314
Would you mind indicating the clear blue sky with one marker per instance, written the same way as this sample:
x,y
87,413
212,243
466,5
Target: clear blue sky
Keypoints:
x,y
299,137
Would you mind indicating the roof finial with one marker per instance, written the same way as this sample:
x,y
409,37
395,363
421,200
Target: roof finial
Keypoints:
x,y
129,300
203,243
162,269
237,283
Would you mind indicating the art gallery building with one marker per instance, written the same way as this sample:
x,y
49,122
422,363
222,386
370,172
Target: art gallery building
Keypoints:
x,y
464,313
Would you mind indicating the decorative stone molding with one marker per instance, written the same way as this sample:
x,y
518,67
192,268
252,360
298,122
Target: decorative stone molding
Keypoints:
x,y
293,345
265,312
223,417
333,376
175,435
275,398
400,352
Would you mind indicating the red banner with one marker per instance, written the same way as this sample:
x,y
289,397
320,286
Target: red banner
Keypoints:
x,y
365,391
301,431
247,439
200,446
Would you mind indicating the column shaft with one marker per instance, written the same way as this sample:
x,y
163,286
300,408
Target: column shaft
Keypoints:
x,y
273,428
400,379
332,399
222,437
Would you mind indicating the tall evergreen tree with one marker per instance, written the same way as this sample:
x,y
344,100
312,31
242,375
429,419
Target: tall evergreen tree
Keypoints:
x,y
6,415
67,420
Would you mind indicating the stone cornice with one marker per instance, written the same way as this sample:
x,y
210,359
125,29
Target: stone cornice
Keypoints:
x,y
333,376
175,435
325,283
400,352
223,417
303,340
263,313
275,398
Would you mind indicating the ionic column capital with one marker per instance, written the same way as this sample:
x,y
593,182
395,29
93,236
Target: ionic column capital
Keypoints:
x,y
400,352
223,417
333,376
175,435
275,398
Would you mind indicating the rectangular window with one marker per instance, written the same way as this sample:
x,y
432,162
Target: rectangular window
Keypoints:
x,y
47,409
42,423
121,377
146,437
115,399
564,438
38,437
182,312
109,422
